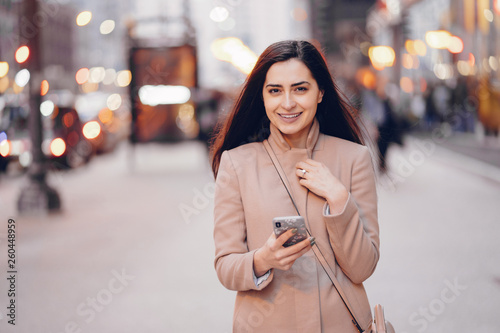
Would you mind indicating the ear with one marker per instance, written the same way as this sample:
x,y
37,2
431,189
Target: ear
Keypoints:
x,y
320,96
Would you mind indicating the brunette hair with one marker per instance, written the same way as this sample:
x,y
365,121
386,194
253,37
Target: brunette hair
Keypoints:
x,y
248,122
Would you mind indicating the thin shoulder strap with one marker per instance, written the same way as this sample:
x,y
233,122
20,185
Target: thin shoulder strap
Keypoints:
x,y
317,251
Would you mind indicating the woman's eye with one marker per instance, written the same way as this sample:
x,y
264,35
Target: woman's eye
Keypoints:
x,y
301,89
273,91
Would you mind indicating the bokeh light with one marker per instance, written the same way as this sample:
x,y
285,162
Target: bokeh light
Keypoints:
x,y
407,61
123,78
57,147
91,130
299,14
96,74
456,45
83,18
406,85
106,116
82,75
4,84
4,68
219,14
493,62
107,27
438,39
488,15
47,108
22,54
68,120
233,50
410,47
420,47
44,88
114,102
22,78
5,148
382,56
443,71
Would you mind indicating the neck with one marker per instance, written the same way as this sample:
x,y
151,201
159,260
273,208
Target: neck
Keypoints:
x,y
297,140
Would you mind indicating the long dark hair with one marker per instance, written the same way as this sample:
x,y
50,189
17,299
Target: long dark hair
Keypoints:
x,y
248,122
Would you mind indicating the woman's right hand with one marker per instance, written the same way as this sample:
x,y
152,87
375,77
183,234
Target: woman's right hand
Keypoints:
x,y
274,255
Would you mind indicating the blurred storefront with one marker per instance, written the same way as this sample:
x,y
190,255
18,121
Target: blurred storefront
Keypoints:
x,y
446,57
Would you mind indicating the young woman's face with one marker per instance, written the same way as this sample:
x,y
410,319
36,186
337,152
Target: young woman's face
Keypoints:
x,y
291,96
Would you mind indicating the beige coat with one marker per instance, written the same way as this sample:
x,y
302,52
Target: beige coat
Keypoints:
x,y
249,194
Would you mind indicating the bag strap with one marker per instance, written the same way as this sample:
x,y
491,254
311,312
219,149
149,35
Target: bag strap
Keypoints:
x,y
317,251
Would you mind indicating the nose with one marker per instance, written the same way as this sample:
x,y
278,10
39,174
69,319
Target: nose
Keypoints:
x,y
288,102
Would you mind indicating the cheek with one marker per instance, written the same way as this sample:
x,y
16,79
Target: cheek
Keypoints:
x,y
269,104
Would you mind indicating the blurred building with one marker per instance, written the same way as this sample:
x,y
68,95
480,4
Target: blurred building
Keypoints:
x,y
57,40
339,24
8,32
103,42
450,44
54,29
256,24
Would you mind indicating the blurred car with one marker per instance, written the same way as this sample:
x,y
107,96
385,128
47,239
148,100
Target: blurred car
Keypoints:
x,y
15,142
106,119
63,140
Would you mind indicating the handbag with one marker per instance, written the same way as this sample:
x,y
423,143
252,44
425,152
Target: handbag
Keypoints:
x,y
379,324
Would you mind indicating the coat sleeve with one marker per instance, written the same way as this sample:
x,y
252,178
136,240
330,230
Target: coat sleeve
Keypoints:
x,y
233,260
354,232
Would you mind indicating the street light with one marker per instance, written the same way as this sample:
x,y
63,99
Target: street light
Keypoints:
x,y
37,196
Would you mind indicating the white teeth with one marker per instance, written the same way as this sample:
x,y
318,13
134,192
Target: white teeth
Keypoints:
x,y
288,116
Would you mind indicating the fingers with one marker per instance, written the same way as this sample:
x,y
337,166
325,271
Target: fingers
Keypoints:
x,y
283,258
292,253
308,164
283,238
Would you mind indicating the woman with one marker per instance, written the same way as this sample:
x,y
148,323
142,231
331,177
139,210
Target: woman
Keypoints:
x,y
290,100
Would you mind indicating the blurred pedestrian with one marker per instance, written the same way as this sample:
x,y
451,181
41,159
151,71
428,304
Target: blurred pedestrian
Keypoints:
x,y
291,122
389,132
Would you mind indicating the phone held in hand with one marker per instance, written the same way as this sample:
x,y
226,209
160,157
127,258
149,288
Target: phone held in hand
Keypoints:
x,y
282,224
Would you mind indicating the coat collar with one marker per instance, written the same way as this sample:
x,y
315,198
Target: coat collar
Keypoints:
x,y
278,142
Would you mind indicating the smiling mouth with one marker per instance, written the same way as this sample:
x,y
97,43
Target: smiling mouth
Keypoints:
x,y
290,116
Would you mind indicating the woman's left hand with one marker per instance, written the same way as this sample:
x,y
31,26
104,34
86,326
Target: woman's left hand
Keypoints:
x,y
319,180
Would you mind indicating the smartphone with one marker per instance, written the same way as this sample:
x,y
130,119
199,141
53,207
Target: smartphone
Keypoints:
x,y
282,224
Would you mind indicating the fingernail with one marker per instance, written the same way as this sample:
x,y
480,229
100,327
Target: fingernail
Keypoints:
x,y
294,230
312,240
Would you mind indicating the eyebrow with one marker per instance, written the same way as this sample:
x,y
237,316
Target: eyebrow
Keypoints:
x,y
293,84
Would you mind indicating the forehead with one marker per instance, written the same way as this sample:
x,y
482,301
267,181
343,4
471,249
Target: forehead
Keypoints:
x,y
288,72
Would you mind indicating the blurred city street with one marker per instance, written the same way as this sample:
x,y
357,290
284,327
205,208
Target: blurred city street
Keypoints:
x,y
113,103
132,249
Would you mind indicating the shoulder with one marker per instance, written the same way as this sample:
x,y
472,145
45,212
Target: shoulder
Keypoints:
x,y
243,155
243,151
